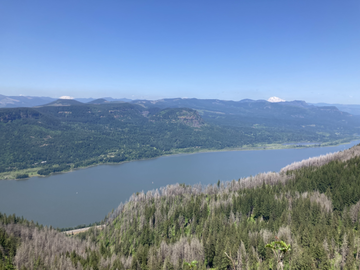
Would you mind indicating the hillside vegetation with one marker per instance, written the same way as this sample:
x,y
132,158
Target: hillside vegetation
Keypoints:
x,y
314,206
284,116
57,138
68,134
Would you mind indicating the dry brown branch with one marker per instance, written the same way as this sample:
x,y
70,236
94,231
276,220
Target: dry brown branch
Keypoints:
x,y
231,259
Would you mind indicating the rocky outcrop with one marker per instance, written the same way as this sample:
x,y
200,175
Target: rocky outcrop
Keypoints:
x,y
185,116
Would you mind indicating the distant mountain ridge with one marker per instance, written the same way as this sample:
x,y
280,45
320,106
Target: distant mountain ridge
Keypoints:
x,y
69,134
32,101
252,111
247,113
23,101
98,101
63,102
349,108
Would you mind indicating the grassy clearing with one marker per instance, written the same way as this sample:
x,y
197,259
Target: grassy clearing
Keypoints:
x,y
14,174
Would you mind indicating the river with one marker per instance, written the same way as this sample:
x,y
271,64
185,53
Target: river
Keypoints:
x,y
87,195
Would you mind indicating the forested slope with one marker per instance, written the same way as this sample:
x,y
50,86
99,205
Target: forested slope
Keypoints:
x,y
314,208
284,116
68,134
56,138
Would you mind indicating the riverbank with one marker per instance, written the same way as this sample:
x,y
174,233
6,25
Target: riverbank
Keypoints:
x,y
33,172
66,200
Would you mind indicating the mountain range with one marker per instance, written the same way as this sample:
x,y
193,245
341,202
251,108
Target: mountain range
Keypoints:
x,y
67,133
32,101
29,101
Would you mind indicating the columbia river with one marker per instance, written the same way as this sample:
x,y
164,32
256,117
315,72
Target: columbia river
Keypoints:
x,y
87,195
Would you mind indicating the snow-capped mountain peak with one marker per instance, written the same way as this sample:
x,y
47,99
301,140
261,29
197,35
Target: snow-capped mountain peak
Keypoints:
x,y
66,97
275,99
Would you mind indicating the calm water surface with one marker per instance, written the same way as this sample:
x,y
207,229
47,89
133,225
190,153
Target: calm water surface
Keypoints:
x,y
87,195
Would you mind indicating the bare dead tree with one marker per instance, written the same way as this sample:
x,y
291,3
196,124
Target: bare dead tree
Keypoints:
x,y
231,259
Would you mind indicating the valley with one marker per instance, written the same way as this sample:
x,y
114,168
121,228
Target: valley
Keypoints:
x,y
312,205
84,196
179,135
66,134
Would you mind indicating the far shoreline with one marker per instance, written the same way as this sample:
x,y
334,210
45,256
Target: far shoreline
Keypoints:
x,y
187,151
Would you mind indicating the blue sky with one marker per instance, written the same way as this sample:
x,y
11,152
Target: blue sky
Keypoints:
x,y
307,50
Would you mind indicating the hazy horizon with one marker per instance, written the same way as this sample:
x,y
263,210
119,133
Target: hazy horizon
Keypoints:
x,y
99,97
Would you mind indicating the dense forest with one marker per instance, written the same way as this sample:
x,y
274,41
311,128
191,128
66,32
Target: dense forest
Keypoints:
x,y
312,206
68,134
55,138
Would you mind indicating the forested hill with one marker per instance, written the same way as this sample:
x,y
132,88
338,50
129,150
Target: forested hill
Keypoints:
x,y
313,206
289,115
68,134
64,135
